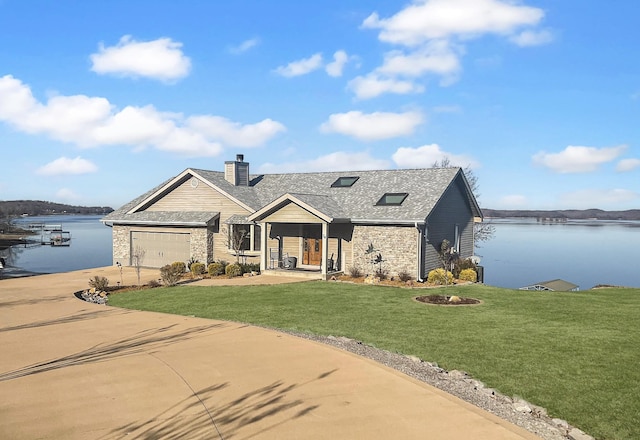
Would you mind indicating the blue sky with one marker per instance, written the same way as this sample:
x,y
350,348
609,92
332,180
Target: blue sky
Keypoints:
x,y
101,101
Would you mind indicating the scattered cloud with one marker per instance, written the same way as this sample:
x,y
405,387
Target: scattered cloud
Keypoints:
x,y
338,161
532,38
373,126
334,68
234,133
577,159
600,198
427,155
66,166
426,20
244,46
94,121
628,165
431,35
301,67
160,59
372,85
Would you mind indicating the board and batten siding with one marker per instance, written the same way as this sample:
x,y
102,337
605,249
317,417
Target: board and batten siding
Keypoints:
x,y
452,209
292,213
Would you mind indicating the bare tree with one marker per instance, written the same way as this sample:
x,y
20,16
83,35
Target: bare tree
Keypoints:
x,y
236,235
136,260
481,231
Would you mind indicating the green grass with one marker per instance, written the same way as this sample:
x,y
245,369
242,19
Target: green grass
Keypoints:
x,y
576,353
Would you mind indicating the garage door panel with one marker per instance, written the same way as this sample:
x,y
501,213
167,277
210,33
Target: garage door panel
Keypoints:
x,y
161,248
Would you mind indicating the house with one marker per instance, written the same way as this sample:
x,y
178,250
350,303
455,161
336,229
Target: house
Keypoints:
x,y
553,285
326,221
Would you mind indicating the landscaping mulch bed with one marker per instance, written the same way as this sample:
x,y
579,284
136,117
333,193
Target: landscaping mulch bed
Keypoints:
x,y
444,300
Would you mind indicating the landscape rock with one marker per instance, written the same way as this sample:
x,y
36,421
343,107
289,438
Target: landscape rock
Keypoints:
x,y
576,434
522,406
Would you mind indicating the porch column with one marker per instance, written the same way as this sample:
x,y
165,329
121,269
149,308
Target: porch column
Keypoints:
x,y
325,250
264,251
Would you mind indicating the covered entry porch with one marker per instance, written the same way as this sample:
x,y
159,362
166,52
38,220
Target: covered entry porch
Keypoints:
x,y
299,238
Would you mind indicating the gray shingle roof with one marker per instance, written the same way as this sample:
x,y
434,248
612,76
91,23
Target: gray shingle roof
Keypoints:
x,y
358,202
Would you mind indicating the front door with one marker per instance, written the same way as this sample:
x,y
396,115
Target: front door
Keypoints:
x,y
312,251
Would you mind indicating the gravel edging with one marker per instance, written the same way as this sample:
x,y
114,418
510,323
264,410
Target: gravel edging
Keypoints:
x,y
458,383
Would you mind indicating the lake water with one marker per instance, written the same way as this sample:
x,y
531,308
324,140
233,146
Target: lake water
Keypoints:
x,y
90,246
522,252
583,252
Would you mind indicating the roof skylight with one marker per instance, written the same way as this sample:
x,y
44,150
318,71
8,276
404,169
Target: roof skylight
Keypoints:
x,y
392,199
344,182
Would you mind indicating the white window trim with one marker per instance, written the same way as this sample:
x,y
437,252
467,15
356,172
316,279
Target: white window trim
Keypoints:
x,y
248,252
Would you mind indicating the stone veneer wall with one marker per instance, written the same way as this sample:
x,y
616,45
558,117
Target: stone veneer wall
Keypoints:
x,y
201,243
121,244
397,245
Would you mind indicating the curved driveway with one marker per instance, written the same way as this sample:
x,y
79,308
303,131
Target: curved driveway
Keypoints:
x,y
74,370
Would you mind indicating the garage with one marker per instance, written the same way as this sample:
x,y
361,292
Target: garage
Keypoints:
x,y
161,248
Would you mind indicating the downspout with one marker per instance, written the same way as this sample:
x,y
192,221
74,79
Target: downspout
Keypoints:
x,y
419,256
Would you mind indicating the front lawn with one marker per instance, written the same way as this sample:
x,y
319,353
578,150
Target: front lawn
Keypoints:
x,y
576,353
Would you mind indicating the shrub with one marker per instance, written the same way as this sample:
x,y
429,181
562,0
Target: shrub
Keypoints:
x,y
190,263
250,267
154,283
404,276
233,270
171,273
179,266
216,268
355,272
462,264
99,283
468,275
381,273
197,268
440,277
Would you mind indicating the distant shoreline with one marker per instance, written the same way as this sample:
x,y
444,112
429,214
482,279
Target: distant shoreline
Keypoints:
x,y
568,214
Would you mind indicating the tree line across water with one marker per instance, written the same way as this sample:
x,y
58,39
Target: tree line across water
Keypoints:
x,y
569,214
16,208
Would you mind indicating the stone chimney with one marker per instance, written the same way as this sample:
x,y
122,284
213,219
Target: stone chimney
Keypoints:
x,y
237,172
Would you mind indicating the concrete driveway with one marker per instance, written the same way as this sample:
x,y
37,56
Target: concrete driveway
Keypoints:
x,y
74,370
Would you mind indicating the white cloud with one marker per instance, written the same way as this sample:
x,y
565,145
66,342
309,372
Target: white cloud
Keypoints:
x,y
436,57
425,20
66,166
234,133
372,85
427,155
577,159
628,165
93,121
301,67
244,46
598,198
340,59
435,30
338,161
532,38
373,126
160,59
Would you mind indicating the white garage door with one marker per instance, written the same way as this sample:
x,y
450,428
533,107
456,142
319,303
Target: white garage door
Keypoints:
x,y
161,248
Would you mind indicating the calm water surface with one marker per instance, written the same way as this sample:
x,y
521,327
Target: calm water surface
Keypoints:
x,y
90,246
522,252
583,252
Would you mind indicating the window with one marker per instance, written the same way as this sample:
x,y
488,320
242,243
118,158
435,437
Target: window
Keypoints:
x,y
240,237
392,199
456,243
344,182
